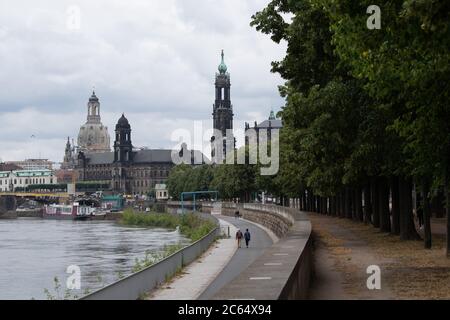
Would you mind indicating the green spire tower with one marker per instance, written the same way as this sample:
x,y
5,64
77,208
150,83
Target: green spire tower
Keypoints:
x,y
222,108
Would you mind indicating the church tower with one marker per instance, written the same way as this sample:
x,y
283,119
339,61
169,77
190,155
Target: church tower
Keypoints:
x,y
69,156
123,148
123,157
222,108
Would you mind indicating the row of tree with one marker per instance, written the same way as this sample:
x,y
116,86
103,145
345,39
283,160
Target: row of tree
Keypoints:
x,y
231,181
367,112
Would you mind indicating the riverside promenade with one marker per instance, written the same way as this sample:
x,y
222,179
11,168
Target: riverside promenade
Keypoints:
x,y
277,265
219,265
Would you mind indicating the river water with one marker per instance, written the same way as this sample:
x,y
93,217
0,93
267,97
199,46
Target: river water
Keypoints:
x,y
35,251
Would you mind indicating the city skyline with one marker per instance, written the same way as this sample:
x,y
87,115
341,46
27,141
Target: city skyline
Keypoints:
x,y
148,81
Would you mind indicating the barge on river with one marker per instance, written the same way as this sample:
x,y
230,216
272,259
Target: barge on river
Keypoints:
x,y
74,211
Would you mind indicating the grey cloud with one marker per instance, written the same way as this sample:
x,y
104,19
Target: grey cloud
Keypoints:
x,y
154,60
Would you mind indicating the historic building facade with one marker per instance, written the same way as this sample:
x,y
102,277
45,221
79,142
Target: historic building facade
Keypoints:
x,y
93,137
222,112
126,169
272,123
11,180
33,164
69,161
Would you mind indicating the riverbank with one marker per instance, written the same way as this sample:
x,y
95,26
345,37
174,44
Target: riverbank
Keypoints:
x,y
190,225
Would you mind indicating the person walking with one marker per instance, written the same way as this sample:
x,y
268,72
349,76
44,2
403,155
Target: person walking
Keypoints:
x,y
247,237
239,236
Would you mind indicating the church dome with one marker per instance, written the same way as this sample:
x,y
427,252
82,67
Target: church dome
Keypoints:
x,y
123,123
93,136
93,97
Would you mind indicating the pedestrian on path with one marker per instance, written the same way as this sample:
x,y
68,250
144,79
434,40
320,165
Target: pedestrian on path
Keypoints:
x,y
236,214
247,237
239,236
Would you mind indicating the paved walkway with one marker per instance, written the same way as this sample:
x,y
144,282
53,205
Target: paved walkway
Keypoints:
x,y
197,276
267,278
243,257
341,259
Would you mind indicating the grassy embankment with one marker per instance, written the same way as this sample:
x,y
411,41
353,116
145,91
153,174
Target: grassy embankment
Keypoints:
x,y
190,225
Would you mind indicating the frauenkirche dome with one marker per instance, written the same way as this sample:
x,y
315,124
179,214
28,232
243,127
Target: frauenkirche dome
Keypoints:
x,y
94,136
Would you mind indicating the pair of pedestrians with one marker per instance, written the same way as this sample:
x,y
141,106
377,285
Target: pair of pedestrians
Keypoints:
x,y
246,237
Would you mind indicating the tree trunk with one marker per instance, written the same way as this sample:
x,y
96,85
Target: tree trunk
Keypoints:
x,y
383,196
320,201
347,205
426,215
375,203
447,208
395,226
338,204
317,204
367,204
323,210
353,203
332,206
407,228
308,202
358,204
304,201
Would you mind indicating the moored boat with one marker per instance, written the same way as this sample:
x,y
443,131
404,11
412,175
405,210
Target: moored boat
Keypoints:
x,y
74,211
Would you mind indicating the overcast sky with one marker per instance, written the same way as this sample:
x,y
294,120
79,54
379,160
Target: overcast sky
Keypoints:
x,y
154,60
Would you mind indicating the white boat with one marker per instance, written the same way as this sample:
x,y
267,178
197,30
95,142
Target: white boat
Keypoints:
x,y
74,211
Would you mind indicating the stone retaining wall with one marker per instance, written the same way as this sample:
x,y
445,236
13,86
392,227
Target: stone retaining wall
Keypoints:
x,y
278,219
291,280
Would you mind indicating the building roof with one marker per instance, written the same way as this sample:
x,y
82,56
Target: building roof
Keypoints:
x,y
149,156
141,156
100,158
9,167
93,97
123,123
271,124
27,173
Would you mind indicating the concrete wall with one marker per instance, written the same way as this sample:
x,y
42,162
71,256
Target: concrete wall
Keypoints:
x,y
137,284
278,219
8,205
294,276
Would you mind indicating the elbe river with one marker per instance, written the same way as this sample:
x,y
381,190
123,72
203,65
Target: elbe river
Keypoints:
x,y
35,251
